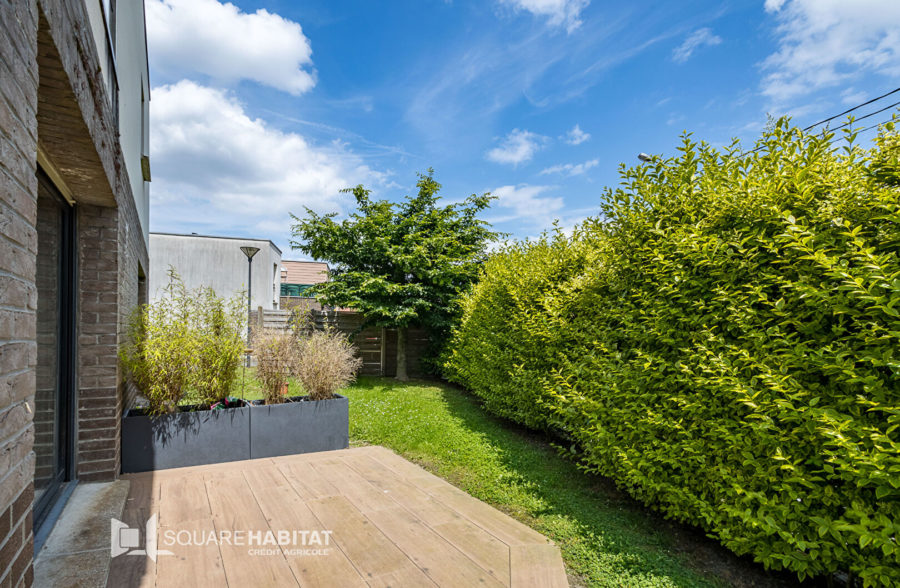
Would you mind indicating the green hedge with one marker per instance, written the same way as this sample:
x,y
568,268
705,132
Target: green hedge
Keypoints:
x,y
724,343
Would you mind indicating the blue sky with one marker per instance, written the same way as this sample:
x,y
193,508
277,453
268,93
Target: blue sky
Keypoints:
x,y
261,108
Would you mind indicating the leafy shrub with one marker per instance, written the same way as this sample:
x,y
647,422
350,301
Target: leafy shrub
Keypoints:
x,y
505,335
723,343
276,354
218,344
184,346
325,362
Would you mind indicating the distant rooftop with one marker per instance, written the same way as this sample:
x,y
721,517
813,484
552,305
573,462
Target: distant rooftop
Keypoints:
x,y
303,272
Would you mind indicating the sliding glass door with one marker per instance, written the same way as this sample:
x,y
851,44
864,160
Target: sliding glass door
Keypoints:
x,y
54,382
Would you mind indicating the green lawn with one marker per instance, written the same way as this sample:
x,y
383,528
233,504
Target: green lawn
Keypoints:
x,y
606,538
249,388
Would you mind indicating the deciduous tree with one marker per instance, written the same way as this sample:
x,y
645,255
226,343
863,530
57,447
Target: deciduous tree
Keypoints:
x,y
399,264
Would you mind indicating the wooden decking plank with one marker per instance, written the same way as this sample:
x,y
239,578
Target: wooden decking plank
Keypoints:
x,y
537,566
198,564
415,500
369,549
267,477
212,468
443,563
308,457
182,499
392,523
498,524
284,509
306,481
363,495
409,471
479,545
234,508
408,577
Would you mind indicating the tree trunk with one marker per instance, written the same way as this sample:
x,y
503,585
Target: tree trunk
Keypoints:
x,y
401,354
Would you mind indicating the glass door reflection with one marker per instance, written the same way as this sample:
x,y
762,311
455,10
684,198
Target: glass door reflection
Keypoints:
x,y
54,377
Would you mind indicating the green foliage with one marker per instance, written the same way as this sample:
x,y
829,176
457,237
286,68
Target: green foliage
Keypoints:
x,y
276,354
399,263
506,335
326,361
723,344
216,324
185,346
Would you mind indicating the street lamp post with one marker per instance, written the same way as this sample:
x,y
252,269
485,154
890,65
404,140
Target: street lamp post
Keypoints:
x,y
249,252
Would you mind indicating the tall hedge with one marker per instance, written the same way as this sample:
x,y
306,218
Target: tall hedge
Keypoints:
x,y
724,342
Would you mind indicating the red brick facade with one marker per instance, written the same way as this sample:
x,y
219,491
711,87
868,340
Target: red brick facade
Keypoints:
x,y
52,95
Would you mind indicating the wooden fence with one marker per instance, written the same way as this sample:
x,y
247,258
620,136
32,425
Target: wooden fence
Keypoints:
x,y
376,346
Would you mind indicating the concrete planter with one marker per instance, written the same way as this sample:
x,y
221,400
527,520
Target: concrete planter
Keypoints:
x,y
216,436
184,439
302,426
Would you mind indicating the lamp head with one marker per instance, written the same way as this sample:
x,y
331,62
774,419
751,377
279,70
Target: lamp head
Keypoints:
x,y
250,251
644,157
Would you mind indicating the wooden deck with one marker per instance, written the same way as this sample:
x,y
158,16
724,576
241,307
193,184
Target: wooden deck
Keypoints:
x,y
391,523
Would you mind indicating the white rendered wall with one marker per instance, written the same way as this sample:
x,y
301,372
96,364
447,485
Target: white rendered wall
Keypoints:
x,y
134,98
218,263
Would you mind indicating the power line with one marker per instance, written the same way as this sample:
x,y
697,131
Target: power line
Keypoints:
x,y
875,125
849,110
857,131
848,123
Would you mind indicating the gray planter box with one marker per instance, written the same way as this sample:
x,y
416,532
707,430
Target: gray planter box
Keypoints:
x,y
216,436
184,439
303,426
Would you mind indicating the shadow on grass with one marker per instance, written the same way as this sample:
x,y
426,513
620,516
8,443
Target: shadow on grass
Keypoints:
x,y
606,537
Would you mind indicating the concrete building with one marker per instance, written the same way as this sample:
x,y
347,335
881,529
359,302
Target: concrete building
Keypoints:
x,y
218,263
74,167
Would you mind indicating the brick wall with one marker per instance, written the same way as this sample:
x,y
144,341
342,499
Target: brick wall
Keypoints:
x,y
76,123
51,86
99,405
18,300
110,261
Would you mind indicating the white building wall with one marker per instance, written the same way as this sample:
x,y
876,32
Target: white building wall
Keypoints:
x,y
97,21
128,70
218,263
134,99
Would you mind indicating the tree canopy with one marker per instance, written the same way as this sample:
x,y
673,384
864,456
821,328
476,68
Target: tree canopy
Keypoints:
x,y
399,263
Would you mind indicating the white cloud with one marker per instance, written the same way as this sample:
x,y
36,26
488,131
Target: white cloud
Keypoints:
x,y
824,43
565,13
218,170
576,136
571,169
518,147
524,202
220,41
699,38
851,96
